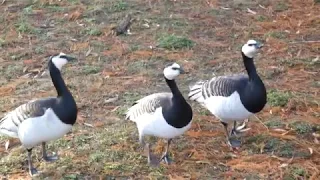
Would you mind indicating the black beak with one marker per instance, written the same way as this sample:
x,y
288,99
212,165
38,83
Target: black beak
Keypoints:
x,y
181,71
70,58
259,45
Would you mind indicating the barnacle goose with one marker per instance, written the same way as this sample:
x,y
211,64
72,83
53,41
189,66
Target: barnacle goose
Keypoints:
x,y
165,115
42,120
234,97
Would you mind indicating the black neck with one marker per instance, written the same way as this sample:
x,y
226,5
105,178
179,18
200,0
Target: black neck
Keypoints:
x,y
173,87
57,80
179,114
66,107
250,67
254,96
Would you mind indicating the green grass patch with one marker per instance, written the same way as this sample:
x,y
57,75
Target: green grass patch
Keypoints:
x,y
281,6
92,31
276,34
266,144
2,42
49,7
277,98
136,67
96,157
301,127
23,26
119,6
261,18
296,172
274,124
130,97
90,69
11,71
309,63
174,42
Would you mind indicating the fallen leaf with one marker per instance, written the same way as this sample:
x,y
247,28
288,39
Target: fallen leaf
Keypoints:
x,y
287,137
7,145
29,61
87,124
98,124
176,177
250,11
283,165
279,130
74,16
111,100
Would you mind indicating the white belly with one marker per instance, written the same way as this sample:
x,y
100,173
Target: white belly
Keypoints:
x,y
155,125
42,129
227,108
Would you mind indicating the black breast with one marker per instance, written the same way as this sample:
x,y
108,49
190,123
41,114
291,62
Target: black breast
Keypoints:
x,y
253,96
179,114
66,110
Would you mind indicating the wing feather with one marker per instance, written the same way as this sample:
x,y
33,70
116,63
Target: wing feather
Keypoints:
x,y
216,86
11,121
148,104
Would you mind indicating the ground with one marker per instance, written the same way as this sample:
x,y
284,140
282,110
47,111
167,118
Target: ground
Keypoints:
x,y
205,37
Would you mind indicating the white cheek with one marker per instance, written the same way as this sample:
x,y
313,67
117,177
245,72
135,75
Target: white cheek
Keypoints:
x,y
171,74
249,51
58,62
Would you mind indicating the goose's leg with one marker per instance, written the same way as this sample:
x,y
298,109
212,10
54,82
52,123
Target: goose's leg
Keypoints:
x,y
238,130
141,141
146,148
151,158
7,144
32,170
233,131
231,141
45,155
165,156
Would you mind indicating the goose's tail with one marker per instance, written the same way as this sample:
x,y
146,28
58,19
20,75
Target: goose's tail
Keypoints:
x,y
195,93
7,127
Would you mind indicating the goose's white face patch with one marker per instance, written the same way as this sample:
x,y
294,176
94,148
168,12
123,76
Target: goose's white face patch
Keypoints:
x,y
251,48
59,61
171,72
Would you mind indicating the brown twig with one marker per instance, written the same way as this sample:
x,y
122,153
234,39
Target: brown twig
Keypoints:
x,y
296,42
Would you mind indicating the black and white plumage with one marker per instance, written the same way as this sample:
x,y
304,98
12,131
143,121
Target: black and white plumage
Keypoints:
x,y
165,115
42,120
235,97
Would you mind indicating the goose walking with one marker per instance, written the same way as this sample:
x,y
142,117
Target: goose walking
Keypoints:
x,y
165,115
235,97
43,120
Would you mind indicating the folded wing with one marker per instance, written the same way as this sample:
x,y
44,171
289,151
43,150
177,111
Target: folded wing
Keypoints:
x,y
148,104
10,122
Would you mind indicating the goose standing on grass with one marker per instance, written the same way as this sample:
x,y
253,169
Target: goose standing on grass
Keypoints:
x,y
43,120
236,97
164,115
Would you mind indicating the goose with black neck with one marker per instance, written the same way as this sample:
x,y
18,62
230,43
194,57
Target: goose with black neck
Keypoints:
x,y
42,120
235,97
165,115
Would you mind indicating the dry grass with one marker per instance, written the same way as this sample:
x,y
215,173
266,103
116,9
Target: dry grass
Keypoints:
x,y
210,36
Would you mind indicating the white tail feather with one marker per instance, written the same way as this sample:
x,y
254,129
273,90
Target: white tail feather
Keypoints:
x,y
195,93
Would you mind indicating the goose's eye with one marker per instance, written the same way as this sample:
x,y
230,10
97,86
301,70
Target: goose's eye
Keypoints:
x,y
63,57
174,68
251,44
